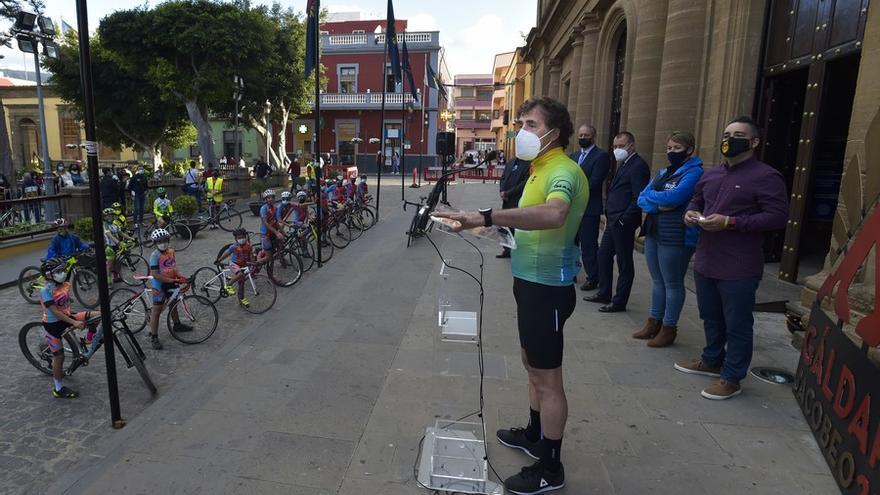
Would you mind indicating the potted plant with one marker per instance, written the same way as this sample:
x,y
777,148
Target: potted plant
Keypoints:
x,y
185,207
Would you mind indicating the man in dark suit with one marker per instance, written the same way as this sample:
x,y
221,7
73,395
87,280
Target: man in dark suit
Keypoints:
x,y
513,180
595,162
622,217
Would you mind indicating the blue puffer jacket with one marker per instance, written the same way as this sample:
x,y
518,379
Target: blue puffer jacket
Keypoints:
x,y
665,207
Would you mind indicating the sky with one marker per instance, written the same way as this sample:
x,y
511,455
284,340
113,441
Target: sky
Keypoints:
x,y
471,31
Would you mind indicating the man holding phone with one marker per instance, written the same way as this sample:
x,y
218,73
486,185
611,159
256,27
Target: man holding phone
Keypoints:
x,y
734,205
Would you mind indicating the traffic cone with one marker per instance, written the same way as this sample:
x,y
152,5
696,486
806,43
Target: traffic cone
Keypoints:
x,y
414,185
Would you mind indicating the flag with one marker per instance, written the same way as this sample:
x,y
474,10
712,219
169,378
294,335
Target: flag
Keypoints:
x,y
391,44
408,70
433,81
311,61
66,28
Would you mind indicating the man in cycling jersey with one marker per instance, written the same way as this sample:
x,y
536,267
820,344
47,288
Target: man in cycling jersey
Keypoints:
x,y
166,278
162,208
57,318
65,243
543,265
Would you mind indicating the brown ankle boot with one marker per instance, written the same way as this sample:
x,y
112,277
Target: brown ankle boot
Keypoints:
x,y
650,329
665,338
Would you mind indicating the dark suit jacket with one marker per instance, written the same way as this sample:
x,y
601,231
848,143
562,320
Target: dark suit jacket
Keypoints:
x,y
513,180
630,179
595,165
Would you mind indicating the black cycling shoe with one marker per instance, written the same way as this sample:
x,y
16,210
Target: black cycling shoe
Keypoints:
x,y
515,438
154,341
535,479
182,327
64,393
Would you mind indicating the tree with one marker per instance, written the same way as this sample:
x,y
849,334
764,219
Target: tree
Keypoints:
x,y
129,109
8,11
190,49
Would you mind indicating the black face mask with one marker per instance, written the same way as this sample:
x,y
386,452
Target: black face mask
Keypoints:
x,y
585,142
676,158
735,146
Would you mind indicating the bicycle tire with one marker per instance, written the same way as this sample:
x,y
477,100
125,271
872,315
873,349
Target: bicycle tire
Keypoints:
x,y
85,287
327,248
193,309
285,269
32,337
127,343
181,236
131,265
223,250
374,211
206,284
137,314
411,233
29,282
354,225
367,218
229,219
306,252
340,235
263,298
145,236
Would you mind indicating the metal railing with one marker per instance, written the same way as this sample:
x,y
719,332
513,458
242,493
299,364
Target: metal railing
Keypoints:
x,y
411,38
366,99
27,216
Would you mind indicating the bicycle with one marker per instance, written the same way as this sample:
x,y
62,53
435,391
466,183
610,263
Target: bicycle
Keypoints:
x,y
84,282
259,291
286,266
417,226
226,216
181,235
10,217
32,341
193,309
129,264
300,241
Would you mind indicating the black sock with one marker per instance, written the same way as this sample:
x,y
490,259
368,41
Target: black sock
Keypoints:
x,y
533,430
552,452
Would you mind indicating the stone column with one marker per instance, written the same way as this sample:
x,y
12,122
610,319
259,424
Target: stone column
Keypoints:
x,y
577,43
678,96
647,57
585,81
555,68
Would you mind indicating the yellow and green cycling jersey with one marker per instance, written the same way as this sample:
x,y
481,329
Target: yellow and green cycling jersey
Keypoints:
x,y
162,207
550,256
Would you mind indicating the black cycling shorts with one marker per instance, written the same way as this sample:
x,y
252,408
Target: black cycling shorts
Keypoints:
x,y
541,311
56,328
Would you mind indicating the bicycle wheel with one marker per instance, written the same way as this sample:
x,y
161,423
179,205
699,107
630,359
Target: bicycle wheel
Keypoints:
x,y
207,283
260,293
327,249
354,224
30,281
129,346
306,252
197,312
339,235
130,265
181,236
32,340
367,218
144,232
285,268
85,287
124,302
229,219
411,233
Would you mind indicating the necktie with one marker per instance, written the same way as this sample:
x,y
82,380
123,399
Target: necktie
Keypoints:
x,y
583,155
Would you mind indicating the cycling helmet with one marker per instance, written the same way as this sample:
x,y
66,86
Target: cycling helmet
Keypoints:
x,y
285,195
61,222
50,265
301,195
267,193
109,212
160,235
116,206
160,190
239,232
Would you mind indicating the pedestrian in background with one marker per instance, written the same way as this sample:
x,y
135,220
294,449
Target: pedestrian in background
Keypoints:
x,y
138,187
395,163
669,244
109,188
622,217
595,162
30,189
735,204
64,177
294,170
513,180
76,175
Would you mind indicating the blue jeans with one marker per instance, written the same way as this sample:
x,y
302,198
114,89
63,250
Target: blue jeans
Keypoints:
x,y
668,265
726,310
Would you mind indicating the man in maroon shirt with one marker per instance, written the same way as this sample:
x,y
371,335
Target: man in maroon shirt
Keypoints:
x,y
734,204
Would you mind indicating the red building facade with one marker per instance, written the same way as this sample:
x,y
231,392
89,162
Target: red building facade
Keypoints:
x,y
352,54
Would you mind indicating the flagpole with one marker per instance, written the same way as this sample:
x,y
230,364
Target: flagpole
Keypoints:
x,y
403,121
382,125
319,173
423,124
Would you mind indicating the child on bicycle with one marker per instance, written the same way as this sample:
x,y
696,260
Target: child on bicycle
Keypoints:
x,y
162,208
242,253
119,218
362,191
166,278
114,237
65,243
57,318
269,224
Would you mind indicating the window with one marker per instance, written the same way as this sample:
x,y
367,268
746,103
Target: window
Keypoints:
x,y
69,136
358,31
484,115
466,114
348,79
468,92
345,132
484,94
390,85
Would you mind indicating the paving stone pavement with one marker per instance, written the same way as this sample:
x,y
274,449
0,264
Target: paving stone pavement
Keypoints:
x,y
331,390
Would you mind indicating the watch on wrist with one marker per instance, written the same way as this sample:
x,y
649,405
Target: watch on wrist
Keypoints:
x,y
487,216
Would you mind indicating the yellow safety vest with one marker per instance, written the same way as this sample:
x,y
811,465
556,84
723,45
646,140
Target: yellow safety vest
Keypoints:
x,y
215,189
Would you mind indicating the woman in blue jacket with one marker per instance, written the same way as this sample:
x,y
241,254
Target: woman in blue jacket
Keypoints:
x,y
669,244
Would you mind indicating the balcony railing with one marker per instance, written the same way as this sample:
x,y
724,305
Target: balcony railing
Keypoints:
x,y
365,100
372,41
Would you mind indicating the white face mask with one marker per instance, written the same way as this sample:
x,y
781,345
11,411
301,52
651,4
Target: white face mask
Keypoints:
x,y
162,246
59,277
620,154
528,144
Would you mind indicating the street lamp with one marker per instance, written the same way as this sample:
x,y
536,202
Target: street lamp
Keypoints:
x,y
268,131
236,95
28,41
